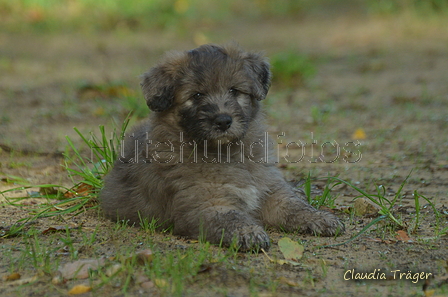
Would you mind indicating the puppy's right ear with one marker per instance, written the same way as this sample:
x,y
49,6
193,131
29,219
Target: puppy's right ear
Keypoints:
x,y
259,68
158,87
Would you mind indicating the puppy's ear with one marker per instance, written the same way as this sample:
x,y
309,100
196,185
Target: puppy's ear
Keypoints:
x,y
158,87
259,68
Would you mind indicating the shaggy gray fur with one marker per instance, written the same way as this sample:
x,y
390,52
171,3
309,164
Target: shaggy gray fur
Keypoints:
x,y
200,163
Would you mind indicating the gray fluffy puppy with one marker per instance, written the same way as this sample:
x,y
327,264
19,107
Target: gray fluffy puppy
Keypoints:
x,y
201,163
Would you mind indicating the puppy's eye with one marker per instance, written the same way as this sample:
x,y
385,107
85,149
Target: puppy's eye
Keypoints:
x,y
198,96
234,92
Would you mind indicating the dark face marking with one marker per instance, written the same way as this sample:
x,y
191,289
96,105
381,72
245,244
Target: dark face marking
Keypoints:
x,y
215,117
211,91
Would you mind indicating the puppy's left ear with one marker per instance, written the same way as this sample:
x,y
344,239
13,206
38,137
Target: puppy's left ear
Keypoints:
x,y
158,87
259,67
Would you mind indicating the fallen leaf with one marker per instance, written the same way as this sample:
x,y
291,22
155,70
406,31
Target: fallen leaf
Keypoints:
x,y
403,236
12,277
291,250
22,281
79,289
279,261
359,134
80,190
161,283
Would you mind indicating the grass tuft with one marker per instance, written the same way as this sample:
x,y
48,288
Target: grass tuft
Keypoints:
x,y
87,176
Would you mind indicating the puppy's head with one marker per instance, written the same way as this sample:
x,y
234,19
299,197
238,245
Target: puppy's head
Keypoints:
x,y
211,92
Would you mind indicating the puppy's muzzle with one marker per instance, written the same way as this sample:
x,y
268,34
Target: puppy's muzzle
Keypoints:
x,y
222,122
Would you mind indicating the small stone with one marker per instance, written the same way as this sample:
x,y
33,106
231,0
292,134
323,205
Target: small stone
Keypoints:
x,y
364,207
147,285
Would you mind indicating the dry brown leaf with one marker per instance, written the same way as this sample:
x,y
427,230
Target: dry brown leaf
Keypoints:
x,y
359,134
79,289
403,236
80,190
22,281
12,277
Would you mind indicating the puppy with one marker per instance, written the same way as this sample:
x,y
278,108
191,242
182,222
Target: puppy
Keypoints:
x,y
201,163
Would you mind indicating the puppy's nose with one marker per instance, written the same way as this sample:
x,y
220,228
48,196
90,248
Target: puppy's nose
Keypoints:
x,y
223,122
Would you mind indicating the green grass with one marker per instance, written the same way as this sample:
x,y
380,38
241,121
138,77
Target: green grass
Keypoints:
x,y
51,15
418,7
171,270
87,176
386,207
292,69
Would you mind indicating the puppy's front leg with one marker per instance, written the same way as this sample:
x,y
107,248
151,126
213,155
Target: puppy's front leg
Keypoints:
x,y
221,224
286,210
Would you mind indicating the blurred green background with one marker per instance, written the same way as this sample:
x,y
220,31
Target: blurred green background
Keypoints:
x,y
106,15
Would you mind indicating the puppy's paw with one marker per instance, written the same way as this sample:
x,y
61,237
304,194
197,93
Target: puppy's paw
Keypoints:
x,y
252,238
323,223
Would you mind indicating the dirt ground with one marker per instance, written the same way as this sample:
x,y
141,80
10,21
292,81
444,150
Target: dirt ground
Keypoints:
x,y
386,77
